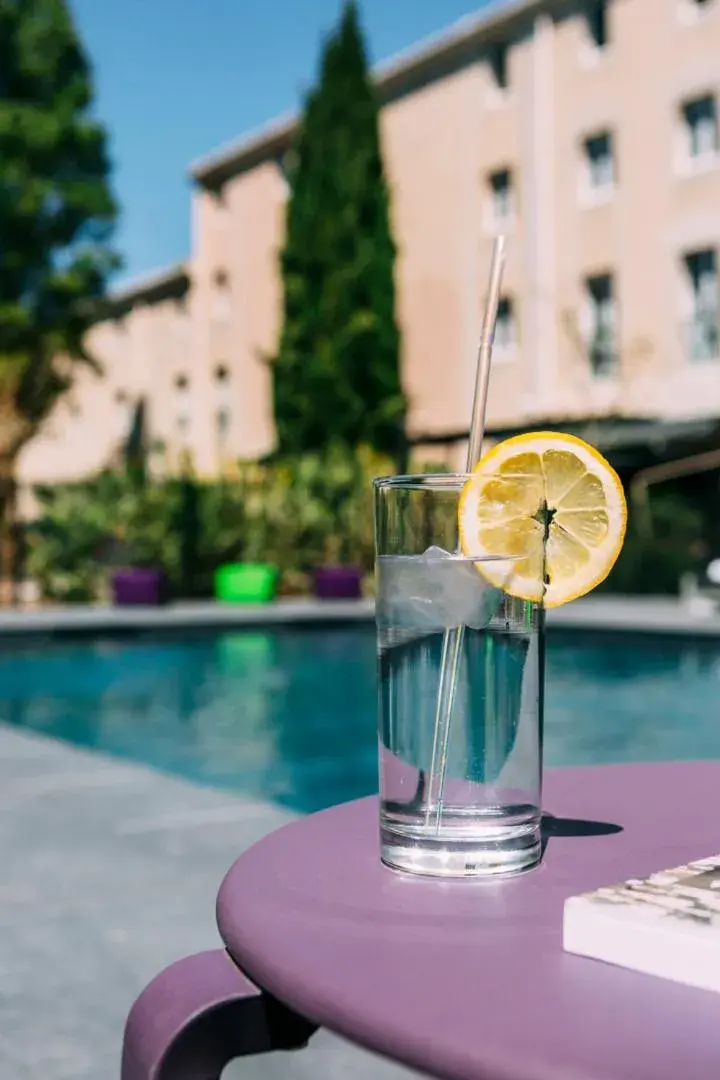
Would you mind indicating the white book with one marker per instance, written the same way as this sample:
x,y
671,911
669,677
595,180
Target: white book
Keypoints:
x,y
667,924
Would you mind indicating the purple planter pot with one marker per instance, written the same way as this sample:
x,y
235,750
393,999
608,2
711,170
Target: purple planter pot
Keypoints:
x,y
138,585
337,582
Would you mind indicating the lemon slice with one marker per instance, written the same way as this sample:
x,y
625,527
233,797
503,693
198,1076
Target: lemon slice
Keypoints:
x,y
552,503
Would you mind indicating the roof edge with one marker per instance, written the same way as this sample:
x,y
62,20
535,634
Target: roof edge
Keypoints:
x,y
156,285
212,170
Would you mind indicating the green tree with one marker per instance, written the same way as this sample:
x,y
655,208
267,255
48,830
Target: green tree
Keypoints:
x,y
56,218
336,375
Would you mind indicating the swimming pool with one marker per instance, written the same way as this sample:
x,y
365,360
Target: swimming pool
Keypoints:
x,y
289,714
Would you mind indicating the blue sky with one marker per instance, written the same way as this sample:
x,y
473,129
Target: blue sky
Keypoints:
x,y
177,78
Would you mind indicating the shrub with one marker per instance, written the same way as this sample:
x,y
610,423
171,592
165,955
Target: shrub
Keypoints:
x,y
295,513
654,563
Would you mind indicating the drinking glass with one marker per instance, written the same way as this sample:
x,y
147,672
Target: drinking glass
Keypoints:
x,y
460,745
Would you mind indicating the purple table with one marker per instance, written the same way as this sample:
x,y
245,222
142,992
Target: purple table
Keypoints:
x,y
462,981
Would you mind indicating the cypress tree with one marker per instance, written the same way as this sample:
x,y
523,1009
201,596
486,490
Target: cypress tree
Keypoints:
x,y
336,376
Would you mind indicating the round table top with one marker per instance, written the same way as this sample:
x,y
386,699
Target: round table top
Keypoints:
x,y
469,979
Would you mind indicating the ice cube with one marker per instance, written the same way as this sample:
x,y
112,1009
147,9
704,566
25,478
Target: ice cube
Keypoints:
x,y
436,591
461,596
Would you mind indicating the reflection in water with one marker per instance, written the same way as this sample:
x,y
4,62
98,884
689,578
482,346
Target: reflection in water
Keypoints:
x,y
290,715
325,717
233,723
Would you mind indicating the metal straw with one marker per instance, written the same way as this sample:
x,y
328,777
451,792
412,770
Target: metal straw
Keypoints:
x,y
453,637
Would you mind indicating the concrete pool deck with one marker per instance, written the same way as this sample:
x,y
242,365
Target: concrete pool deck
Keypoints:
x,y
110,872
632,614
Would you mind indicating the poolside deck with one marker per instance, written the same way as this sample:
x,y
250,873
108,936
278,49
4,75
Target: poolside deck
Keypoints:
x,y
651,615
110,872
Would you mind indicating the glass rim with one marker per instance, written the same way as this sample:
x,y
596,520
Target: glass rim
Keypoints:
x,y
420,481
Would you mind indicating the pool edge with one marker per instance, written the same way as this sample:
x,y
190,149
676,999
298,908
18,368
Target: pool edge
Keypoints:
x,y
616,614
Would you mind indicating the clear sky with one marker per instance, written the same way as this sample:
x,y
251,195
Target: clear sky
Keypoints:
x,y
177,78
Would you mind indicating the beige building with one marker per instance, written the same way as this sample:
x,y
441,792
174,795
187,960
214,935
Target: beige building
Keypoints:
x,y
146,346
586,131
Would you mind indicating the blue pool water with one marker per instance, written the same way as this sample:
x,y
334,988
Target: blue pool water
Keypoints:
x,y
289,715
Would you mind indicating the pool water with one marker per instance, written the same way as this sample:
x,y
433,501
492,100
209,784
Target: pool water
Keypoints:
x,y
289,715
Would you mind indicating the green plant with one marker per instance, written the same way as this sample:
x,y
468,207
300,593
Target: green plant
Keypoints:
x,y
210,530
261,499
325,506
85,530
56,218
655,562
64,543
297,514
336,375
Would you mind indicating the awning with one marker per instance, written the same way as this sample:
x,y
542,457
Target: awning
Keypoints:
x,y
629,442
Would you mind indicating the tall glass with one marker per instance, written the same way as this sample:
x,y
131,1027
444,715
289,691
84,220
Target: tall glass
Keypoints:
x,y
484,818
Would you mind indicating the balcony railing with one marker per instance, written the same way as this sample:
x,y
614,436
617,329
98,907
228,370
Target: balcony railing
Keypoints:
x,y
702,338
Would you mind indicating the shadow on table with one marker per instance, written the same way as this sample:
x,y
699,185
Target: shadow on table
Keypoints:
x,y
569,827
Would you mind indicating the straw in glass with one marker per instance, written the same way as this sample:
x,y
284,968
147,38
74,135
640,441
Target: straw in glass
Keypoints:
x,y
453,637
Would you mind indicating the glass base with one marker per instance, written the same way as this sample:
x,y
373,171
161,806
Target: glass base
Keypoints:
x,y
487,851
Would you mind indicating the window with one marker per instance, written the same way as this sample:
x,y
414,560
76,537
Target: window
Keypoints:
x,y
222,422
601,325
223,413
182,406
600,162
502,202
701,127
691,11
222,300
596,16
505,329
701,279
499,66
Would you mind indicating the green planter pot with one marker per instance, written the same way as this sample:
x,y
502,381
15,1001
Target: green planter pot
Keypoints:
x,y
246,583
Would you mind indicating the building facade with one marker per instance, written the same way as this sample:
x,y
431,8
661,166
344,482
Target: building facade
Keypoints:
x,y
586,130
145,346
